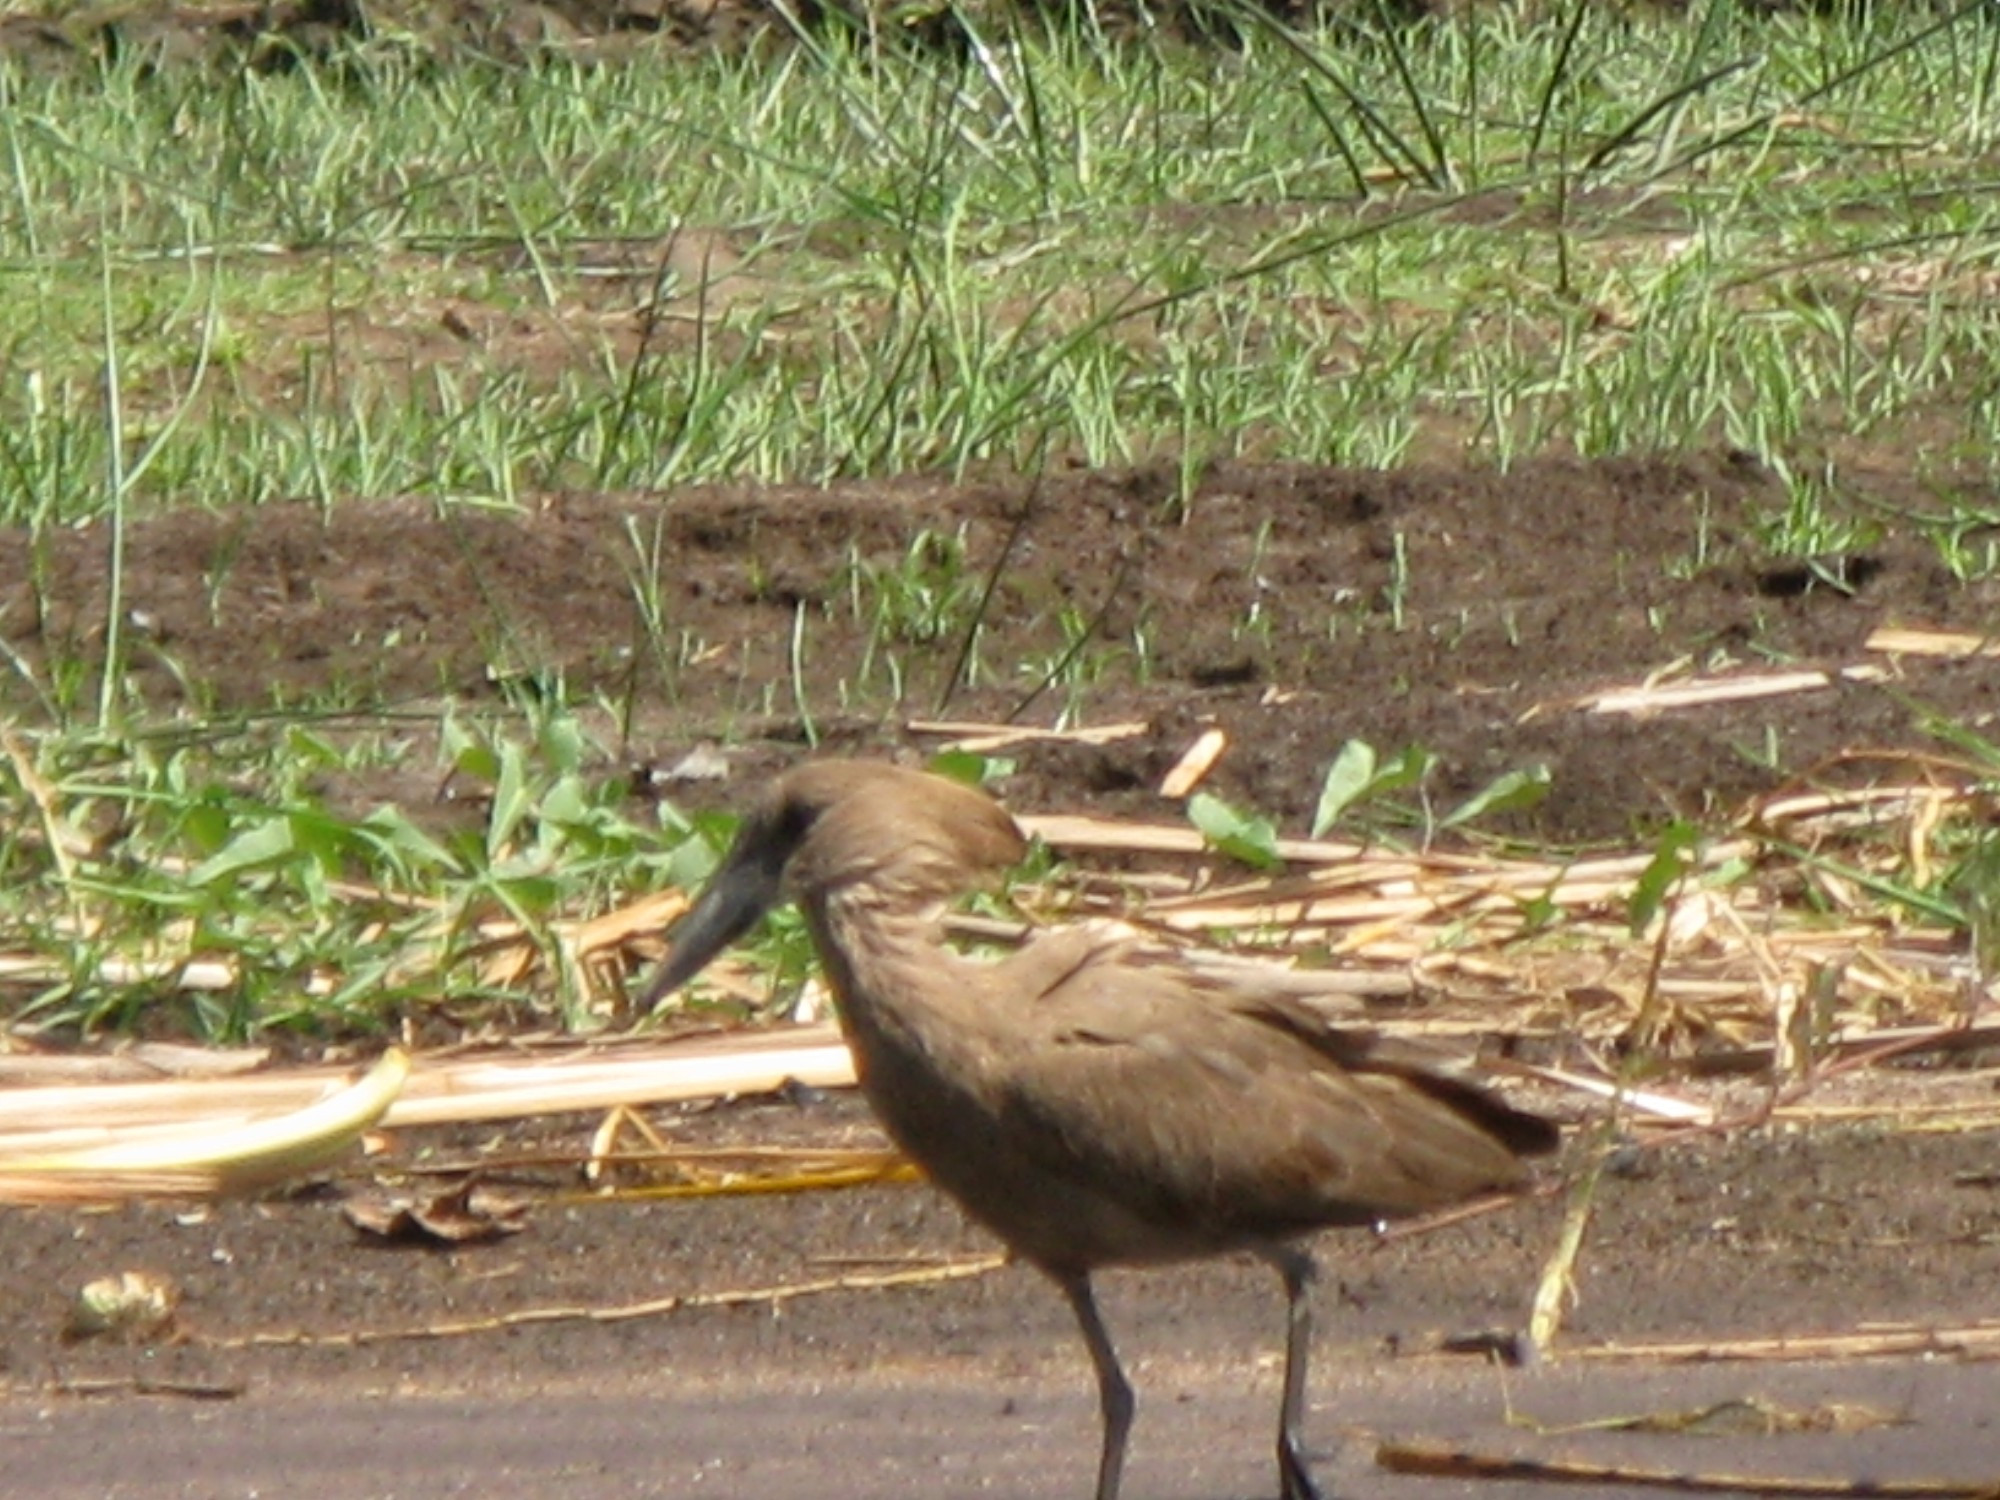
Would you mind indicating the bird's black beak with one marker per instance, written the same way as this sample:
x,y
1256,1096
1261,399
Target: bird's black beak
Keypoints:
x,y
745,886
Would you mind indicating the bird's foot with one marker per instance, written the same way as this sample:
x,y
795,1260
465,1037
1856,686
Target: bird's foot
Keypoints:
x,y
1294,1477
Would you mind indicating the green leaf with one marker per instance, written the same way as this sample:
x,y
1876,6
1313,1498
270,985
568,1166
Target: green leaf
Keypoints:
x,y
563,742
1513,792
391,830
1975,885
477,760
313,749
267,843
1673,856
511,802
970,768
318,833
208,823
1406,770
567,802
465,750
527,896
1347,780
1244,836
691,863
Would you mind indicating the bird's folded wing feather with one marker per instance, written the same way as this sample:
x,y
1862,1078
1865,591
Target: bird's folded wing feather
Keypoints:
x,y
1149,1084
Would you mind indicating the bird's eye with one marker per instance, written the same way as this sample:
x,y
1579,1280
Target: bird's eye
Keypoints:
x,y
795,820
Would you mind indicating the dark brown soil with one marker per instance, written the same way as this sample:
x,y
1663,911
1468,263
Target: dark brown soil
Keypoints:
x,y
1761,1234
1454,609
1766,1232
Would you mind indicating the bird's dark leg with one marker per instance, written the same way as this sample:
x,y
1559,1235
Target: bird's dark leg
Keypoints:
x,y
1297,1267
1114,1392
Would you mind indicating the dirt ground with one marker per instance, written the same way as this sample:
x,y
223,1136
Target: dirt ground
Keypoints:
x,y
1459,610
1766,1233
979,1386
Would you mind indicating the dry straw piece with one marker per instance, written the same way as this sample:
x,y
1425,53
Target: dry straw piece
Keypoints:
x,y
1782,950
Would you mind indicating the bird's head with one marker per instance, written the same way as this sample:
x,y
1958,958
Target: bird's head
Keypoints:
x,y
910,839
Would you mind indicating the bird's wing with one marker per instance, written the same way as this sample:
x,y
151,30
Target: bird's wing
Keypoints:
x,y
1179,1097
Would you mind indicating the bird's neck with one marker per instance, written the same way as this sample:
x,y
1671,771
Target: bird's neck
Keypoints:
x,y
898,984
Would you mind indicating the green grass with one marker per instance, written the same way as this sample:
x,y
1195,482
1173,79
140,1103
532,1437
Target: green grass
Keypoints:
x,y
1591,233
135,861
1561,228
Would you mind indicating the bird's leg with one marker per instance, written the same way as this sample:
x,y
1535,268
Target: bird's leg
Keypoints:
x,y
1299,1271
1114,1392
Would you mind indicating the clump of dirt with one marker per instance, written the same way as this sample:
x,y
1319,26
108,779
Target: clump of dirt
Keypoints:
x,y
1466,611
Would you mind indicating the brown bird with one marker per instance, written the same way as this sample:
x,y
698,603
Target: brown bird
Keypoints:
x,y
1091,1100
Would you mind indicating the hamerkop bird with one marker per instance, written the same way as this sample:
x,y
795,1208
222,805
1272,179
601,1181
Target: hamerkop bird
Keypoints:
x,y
1090,1100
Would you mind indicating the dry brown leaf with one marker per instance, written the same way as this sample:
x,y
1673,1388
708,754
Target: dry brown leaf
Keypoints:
x,y
464,1214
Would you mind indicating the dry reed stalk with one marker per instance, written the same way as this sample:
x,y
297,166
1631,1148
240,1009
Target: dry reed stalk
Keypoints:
x,y
448,1089
1979,1339
1195,763
984,739
238,1156
138,1062
1440,1461
1910,641
1070,831
769,1296
806,1175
